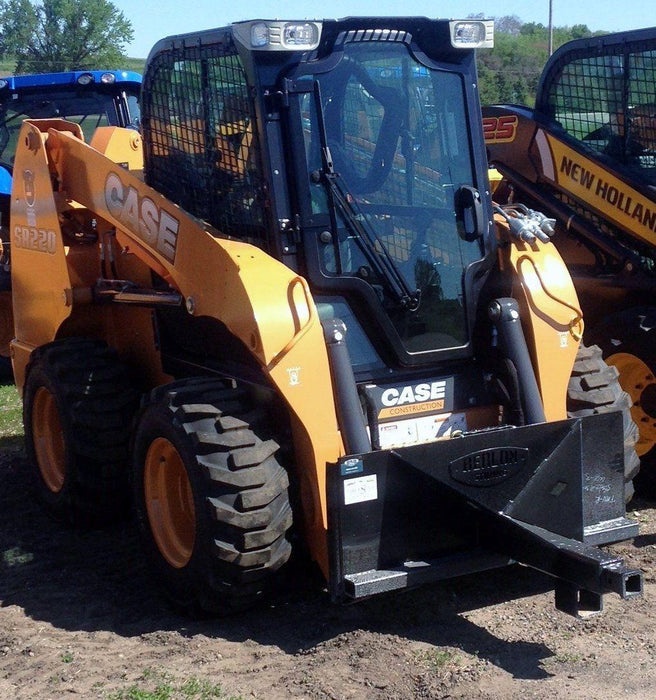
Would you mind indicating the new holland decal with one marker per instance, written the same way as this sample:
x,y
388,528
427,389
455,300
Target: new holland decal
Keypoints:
x,y
608,194
612,192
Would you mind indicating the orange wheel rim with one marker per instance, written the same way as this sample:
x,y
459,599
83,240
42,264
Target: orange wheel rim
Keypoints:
x,y
48,438
639,383
169,503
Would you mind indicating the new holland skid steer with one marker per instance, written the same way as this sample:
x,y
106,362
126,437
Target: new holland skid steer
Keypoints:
x,y
586,156
305,324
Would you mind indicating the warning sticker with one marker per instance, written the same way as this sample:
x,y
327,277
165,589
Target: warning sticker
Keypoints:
x,y
419,430
364,488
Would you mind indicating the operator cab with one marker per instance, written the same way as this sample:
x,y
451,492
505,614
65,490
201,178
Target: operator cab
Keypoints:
x,y
346,148
384,152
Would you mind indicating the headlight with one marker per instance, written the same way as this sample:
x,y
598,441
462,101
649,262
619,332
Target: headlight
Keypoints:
x,y
259,35
472,34
303,35
278,36
85,79
107,78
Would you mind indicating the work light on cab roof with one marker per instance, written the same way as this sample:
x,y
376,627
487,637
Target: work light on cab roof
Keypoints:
x,y
470,34
105,79
277,36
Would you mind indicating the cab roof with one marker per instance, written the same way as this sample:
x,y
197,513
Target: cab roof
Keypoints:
x,y
68,79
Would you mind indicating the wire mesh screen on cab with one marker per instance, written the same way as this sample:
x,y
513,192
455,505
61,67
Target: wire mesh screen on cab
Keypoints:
x,y
605,97
201,149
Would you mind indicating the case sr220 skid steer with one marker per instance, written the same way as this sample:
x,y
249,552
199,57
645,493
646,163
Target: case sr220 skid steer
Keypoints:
x,y
303,324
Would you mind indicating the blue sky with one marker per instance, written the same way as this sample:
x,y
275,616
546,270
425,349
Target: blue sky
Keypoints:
x,y
154,19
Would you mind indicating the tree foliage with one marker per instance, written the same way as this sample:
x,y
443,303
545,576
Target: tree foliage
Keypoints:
x,y
58,35
509,73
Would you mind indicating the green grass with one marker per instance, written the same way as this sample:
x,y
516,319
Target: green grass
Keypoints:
x,y
437,660
568,657
11,421
15,556
136,64
155,684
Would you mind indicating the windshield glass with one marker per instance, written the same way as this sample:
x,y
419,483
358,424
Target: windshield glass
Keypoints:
x,y
397,134
89,109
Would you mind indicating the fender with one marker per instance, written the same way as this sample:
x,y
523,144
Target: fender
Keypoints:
x,y
551,315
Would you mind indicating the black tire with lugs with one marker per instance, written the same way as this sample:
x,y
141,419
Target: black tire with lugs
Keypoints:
x,y
237,491
84,389
594,388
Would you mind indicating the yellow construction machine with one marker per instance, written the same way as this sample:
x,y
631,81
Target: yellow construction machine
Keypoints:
x,y
586,156
304,323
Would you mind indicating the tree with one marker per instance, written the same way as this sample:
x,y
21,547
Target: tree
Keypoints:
x,y
509,24
510,72
58,35
580,30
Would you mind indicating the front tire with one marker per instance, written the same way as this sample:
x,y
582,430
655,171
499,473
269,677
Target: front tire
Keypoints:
x,y
77,407
210,496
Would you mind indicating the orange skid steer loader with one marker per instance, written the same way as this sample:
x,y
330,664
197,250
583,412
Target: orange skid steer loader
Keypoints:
x,y
302,323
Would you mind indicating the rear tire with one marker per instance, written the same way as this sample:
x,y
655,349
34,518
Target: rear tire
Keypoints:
x,y
210,496
594,388
77,407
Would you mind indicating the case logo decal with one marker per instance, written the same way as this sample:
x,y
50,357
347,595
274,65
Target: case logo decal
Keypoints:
x,y
153,225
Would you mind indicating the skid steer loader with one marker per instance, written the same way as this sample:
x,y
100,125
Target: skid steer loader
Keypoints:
x,y
305,325
586,156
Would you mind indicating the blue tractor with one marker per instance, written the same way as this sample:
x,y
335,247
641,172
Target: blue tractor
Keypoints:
x,y
90,98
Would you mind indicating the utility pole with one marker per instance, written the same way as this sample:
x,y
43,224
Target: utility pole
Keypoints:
x,y
550,27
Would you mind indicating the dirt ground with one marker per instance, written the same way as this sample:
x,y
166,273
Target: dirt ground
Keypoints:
x,y
80,616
